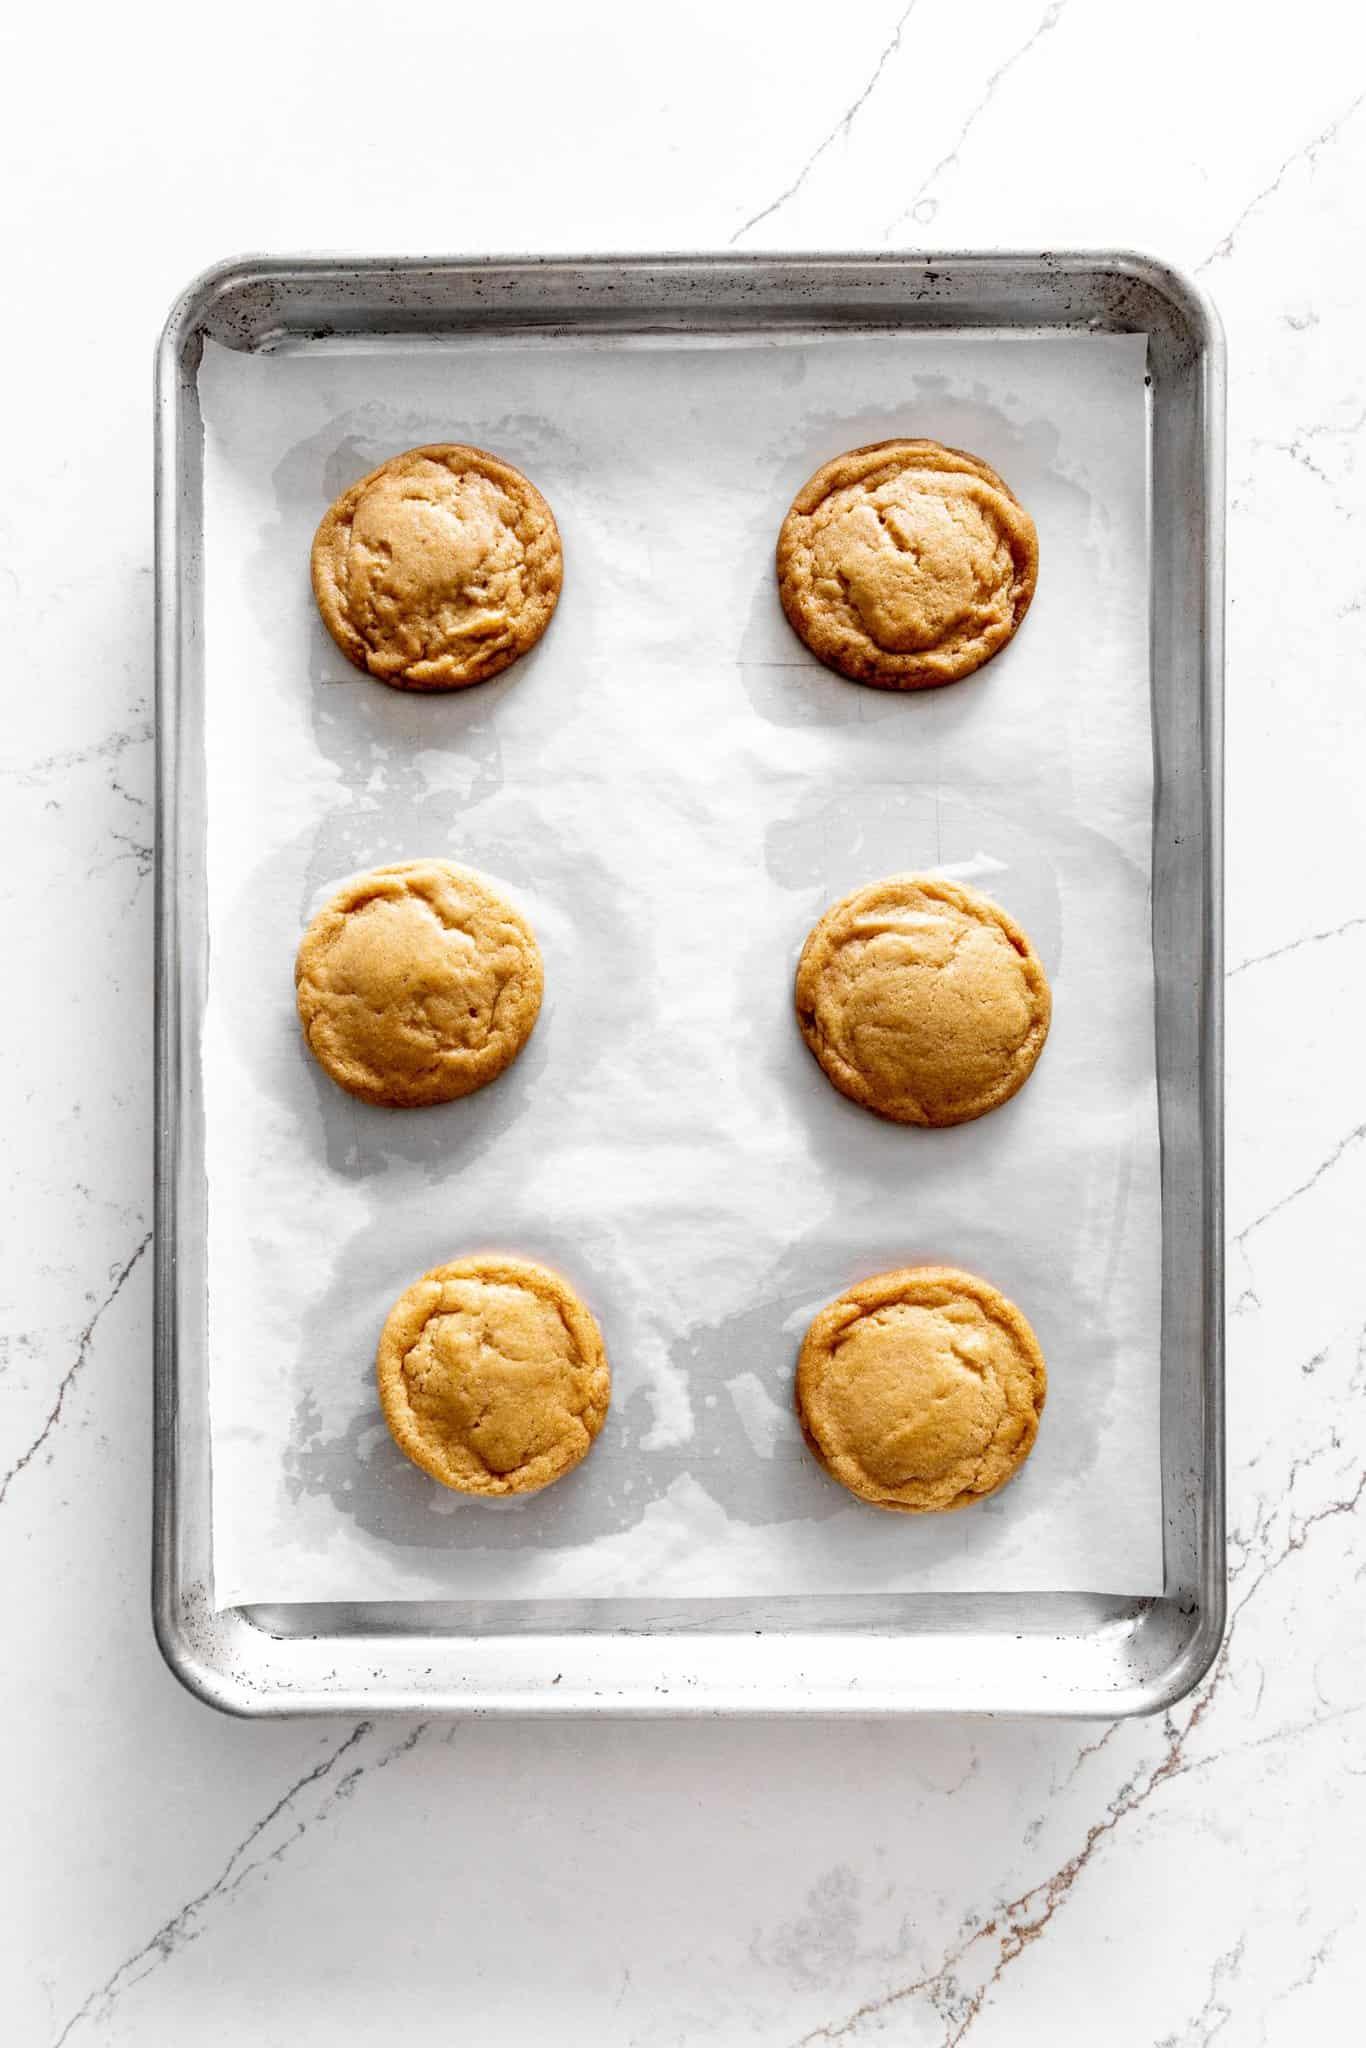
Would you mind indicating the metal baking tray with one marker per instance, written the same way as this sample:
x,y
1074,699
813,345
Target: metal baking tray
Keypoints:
x,y
1059,1654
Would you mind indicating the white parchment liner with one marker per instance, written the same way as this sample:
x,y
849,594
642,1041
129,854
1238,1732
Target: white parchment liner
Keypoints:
x,y
674,790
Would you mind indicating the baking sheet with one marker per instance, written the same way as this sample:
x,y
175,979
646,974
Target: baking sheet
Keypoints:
x,y
674,790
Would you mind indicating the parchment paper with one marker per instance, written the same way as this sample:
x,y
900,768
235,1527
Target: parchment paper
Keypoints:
x,y
674,790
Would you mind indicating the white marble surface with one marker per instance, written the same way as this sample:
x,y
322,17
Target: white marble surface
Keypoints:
x,y
174,1877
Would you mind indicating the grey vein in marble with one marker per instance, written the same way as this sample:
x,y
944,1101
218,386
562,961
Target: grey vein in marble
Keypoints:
x,y
1307,152
841,127
136,846
184,1925
1305,1978
1214,2015
1296,452
1333,428
1336,931
64,1385
922,205
108,749
1344,1145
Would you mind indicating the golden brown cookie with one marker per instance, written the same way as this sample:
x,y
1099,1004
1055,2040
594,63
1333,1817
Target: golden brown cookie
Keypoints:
x,y
905,564
417,983
492,1376
921,1390
438,569
922,1000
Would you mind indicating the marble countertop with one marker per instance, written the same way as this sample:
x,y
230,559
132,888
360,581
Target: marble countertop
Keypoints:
x,y
178,1877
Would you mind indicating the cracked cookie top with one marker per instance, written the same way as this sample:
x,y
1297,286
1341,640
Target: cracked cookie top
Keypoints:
x,y
417,983
922,1000
492,1376
905,564
438,569
921,1390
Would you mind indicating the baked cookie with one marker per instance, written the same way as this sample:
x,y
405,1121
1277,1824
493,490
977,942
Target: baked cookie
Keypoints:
x,y
417,983
922,1000
905,564
438,569
492,1376
921,1390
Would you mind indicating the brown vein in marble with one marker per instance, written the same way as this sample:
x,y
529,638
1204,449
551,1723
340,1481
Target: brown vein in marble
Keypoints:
x,y
1091,1749
1019,1922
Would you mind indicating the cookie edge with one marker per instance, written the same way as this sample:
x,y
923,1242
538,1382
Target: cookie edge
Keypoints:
x,y
496,1269
882,1290
847,1079
324,556
390,1097
895,671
